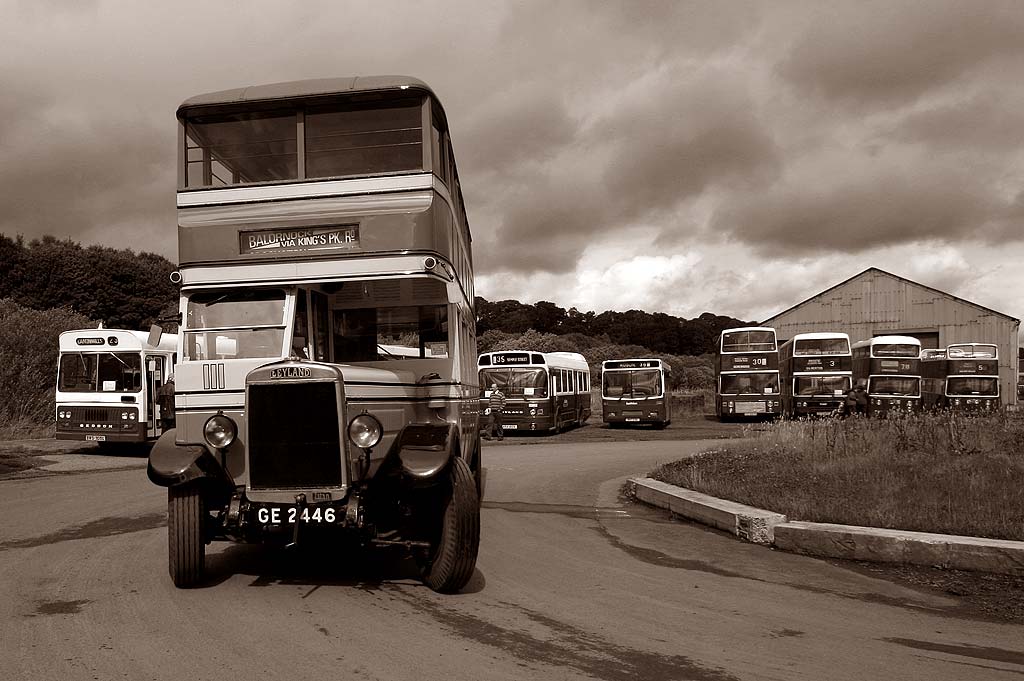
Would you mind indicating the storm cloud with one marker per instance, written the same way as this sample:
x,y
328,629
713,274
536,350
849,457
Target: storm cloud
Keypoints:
x,y
666,155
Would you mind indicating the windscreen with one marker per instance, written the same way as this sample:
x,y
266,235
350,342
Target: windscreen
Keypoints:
x,y
972,385
821,346
895,350
749,384
971,352
515,382
901,386
372,334
635,383
118,372
821,385
234,324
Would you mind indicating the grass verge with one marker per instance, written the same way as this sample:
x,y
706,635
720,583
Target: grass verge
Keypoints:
x,y
931,473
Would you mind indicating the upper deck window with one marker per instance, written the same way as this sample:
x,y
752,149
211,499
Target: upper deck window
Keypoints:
x,y
338,140
241,149
895,350
364,140
821,346
748,341
972,352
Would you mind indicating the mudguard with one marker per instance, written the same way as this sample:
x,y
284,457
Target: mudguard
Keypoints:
x,y
424,450
171,464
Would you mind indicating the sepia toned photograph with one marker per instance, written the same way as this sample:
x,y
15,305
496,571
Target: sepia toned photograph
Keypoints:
x,y
509,340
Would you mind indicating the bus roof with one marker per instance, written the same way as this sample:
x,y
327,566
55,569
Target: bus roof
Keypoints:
x,y
299,89
748,328
888,340
820,335
98,340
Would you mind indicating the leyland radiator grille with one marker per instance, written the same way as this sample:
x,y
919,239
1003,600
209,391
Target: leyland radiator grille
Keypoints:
x,y
293,436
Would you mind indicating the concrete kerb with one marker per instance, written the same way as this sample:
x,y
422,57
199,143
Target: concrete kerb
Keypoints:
x,y
836,541
749,523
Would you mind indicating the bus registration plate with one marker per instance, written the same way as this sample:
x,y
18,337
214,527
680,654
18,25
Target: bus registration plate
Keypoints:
x,y
95,438
750,407
509,426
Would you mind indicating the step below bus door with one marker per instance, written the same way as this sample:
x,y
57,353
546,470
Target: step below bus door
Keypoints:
x,y
154,380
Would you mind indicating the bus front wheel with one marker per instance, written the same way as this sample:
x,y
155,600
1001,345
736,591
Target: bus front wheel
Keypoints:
x,y
186,535
454,551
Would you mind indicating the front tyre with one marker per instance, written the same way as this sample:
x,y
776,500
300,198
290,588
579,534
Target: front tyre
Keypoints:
x,y
186,539
453,557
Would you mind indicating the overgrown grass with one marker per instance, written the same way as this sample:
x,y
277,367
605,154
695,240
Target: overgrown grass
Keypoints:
x,y
26,428
934,473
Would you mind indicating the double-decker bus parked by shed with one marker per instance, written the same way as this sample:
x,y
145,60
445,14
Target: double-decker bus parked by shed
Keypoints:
x,y
635,391
933,378
747,373
891,368
545,391
1020,374
108,382
328,342
962,377
817,372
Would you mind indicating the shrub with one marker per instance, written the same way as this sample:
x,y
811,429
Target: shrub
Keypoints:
x,y
28,365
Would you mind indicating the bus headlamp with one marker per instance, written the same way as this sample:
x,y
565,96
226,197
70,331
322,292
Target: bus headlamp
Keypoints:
x,y
365,431
219,431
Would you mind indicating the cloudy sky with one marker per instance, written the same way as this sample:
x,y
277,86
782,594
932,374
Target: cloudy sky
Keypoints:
x,y
679,157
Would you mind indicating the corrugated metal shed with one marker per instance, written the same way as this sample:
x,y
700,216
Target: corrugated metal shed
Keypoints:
x,y
876,302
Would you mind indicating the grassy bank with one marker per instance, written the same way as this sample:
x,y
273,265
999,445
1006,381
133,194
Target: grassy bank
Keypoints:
x,y
932,473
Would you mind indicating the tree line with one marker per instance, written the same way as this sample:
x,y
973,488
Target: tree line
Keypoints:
x,y
119,287
655,331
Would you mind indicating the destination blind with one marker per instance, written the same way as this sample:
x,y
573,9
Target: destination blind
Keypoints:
x,y
632,364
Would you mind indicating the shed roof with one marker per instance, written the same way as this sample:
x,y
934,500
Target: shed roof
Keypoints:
x,y
770,320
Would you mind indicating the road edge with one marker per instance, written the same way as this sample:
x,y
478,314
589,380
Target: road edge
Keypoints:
x,y
830,540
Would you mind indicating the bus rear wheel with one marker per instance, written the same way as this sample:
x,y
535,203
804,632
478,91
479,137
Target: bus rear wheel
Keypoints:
x,y
186,535
453,553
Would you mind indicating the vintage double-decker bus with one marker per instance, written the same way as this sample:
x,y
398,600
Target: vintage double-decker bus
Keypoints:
x,y
545,391
817,372
107,385
635,391
962,377
1020,374
891,368
747,373
328,373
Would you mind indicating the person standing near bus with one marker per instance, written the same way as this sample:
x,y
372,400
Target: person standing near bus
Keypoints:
x,y
165,399
495,406
857,400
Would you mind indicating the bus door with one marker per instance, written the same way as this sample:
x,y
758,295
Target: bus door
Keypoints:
x,y
154,380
